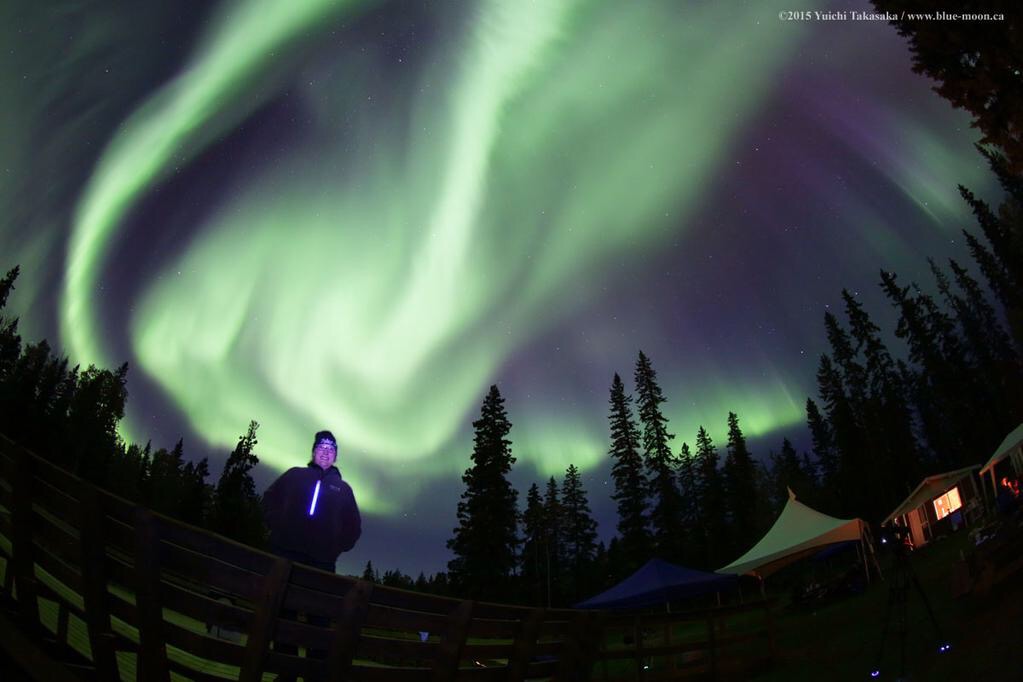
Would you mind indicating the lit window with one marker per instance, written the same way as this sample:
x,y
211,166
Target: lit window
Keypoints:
x,y
947,503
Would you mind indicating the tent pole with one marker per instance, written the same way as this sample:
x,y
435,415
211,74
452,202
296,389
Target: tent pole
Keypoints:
x,y
863,557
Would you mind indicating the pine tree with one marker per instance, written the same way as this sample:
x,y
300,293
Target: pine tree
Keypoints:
x,y
580,535
630,481
938,391
689,495
973,66
10,345
886,413
789,472
999,366
533,567
485,543
823,442
369,574
666,505
711,496
553,543
740,486
237,513
850,494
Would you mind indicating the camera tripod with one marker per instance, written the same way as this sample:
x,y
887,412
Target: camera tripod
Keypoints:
x,y
903,578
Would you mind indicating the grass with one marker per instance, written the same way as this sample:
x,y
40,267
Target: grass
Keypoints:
x,y
840,641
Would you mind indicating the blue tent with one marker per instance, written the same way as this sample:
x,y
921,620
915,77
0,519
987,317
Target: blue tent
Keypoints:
x,y
656,583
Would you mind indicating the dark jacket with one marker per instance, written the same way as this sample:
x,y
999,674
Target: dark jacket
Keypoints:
x,y
297,528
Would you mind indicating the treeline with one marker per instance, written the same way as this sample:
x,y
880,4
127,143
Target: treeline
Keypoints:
x,y
70,417
942,399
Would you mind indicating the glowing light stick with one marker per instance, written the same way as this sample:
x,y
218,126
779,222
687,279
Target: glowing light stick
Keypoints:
x,y
316,494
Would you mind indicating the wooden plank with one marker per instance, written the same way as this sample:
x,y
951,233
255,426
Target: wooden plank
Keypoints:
x,y
22,541
207,608
350,619
397,652
305,600
29,656
59,503
525,645
152,663
60,570
400,619
289,667
94,584
445,665
265,620
223,577
201,541
374,674
497,629
288,631
55,539
413,601
204,646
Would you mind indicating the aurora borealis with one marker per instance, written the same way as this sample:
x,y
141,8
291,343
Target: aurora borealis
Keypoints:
x,y
359,215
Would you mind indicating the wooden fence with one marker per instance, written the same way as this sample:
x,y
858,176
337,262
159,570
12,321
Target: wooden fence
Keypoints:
x,y
95,587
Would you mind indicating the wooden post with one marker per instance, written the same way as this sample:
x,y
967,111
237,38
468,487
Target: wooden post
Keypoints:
x,y
771,643
264,621
577,654
525,645
152,656
354,609
449,653
92,545
22,549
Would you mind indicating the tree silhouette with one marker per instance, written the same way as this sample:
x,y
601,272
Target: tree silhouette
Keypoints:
x,y
740,478
630,483
666,506
236,506
580,536
486,538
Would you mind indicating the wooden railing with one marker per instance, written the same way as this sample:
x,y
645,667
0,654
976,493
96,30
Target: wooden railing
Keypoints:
x,y
121,592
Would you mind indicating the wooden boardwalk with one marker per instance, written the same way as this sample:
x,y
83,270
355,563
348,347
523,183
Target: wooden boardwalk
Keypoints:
x,y
96,588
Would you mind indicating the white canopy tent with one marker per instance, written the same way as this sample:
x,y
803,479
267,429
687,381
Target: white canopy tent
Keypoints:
x,y
799,532
1012,446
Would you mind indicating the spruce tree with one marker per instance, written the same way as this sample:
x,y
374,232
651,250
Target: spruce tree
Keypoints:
x,y
534,532
629,481
789,472
972,64
848,487
689,496
740,487
823,443
886,413
939,387
237,513
486,540
711,496
553,543
580,544
666,504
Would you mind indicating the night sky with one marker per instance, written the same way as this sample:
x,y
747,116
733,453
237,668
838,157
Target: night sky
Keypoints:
x,y
358,216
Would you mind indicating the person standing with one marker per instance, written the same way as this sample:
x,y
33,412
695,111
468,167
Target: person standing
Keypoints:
x,y
311,511
313,518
